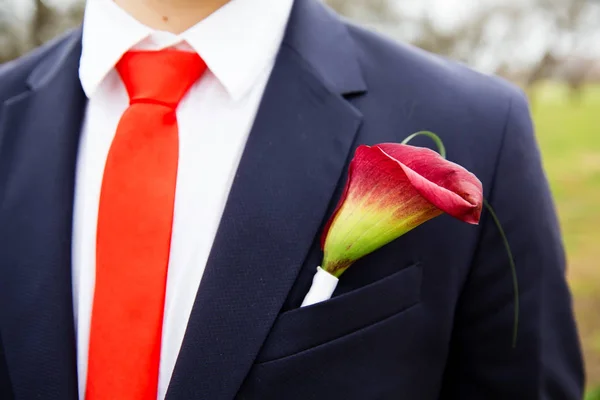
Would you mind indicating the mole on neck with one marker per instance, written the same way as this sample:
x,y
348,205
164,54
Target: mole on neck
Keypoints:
x,y
173,16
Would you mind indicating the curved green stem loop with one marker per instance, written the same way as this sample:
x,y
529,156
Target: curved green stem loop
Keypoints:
x,y
513,270
433,136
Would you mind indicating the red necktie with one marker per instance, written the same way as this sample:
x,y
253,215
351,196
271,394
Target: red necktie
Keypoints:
x,y
134,227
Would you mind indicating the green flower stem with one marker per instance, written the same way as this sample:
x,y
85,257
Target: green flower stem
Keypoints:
x,y
442,151
513,270
433,136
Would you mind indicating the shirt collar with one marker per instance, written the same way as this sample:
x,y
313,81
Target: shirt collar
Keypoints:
x,y
237,42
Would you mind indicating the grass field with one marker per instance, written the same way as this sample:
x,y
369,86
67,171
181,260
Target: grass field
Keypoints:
x,y
568,132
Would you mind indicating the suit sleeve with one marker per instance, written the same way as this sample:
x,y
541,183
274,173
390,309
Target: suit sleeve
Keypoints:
x,y
546,363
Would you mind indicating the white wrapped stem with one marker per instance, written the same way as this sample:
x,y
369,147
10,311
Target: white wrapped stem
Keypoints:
x,y
322,288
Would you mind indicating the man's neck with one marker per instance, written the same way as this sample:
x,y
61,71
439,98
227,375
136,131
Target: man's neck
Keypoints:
x,y
170,15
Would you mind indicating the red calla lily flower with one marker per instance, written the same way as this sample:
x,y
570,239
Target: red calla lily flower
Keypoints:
x,y
392,189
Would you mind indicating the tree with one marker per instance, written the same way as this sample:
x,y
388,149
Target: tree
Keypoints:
x,y
491,37
371,11
44,23
11,43
488,38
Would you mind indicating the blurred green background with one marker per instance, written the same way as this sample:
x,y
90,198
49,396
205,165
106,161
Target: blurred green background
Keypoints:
x,y
568,130
551,48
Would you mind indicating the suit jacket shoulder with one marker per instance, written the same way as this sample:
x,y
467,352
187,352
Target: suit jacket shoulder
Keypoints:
x,y
14,74
430,85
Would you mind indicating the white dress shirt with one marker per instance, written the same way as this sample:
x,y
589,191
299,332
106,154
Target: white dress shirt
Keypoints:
x,y
239,43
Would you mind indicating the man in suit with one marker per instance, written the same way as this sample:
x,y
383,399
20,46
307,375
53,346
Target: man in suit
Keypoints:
x,y
166,172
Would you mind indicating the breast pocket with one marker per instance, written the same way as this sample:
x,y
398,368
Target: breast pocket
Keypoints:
x,y
301,329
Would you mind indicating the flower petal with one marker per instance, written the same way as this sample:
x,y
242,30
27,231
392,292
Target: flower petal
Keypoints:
x,y
385,197
379,204
447,185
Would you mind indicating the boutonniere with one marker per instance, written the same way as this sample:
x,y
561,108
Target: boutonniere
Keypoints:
x,y
391,189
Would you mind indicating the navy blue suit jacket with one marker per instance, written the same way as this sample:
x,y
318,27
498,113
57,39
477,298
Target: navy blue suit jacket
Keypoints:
x,y
427,317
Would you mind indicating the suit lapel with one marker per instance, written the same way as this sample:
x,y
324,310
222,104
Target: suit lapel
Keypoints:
x,y
293,161
40,132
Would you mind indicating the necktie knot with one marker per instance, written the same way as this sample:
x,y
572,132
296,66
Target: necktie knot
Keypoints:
x,y
160,77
